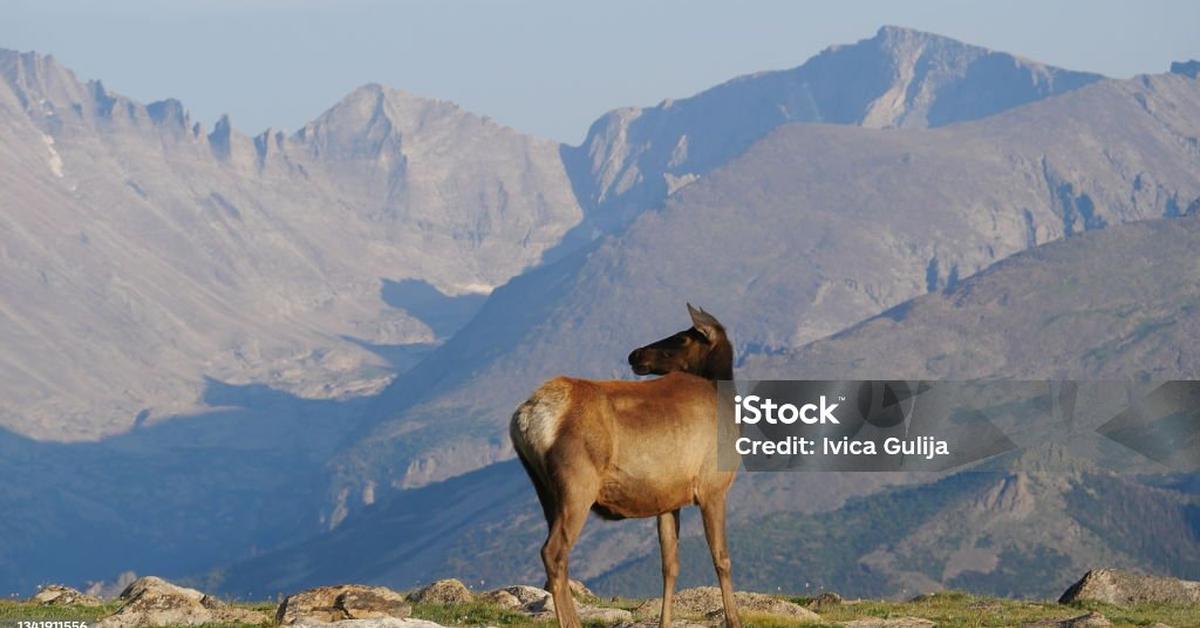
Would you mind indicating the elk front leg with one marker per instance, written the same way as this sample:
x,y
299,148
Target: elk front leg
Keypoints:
x,y
668,539
714,530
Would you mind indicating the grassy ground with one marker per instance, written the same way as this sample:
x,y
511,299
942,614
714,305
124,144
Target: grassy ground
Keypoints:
x,y
11,610
954,609
949,610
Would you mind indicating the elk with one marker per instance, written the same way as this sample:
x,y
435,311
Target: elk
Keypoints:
x,y
626,449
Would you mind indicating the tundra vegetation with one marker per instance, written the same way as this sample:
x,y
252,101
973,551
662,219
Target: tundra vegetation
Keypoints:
x,y
949,609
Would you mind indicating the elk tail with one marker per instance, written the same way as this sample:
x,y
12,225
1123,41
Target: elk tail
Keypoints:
x,y
532,464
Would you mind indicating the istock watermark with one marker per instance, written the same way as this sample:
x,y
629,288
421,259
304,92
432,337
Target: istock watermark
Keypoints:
x,y
878,425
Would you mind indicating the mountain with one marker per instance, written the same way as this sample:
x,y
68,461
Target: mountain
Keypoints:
x,y
171,497
813,229
486,527
633,158
142,254
1016,534
1113,304
221,310
1110,303
1119,303
190,318
285,240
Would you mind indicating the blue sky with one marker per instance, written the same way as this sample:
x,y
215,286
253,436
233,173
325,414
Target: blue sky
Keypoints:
x,y
548,68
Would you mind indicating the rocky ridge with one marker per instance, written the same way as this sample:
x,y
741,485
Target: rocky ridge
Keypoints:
x,y
155,602
182,253
634,158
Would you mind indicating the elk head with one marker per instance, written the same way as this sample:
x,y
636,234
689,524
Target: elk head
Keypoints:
x,y
703,350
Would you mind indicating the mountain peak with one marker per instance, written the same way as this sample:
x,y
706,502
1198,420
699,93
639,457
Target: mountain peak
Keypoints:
x,y
900,77
376,93
892,38
168,111
894,32
374,102
9,56
1186,68
220,140
373,116
34,72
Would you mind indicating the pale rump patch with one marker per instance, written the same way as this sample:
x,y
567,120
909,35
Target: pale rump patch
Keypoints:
x,y
534,425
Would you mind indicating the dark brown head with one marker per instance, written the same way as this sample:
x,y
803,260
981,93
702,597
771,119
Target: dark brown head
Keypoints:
x,y
703,349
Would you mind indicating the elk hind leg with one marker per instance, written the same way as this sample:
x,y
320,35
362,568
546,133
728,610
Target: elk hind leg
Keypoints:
x,y
571,513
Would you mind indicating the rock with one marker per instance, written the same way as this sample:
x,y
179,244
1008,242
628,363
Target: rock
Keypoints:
x,y
543,610
1113,586
526,594
529,595
706,602
603,615
449,591
1090,620
342,602
582,594
825,600
59,595
501,598
383,622
891,622
152,601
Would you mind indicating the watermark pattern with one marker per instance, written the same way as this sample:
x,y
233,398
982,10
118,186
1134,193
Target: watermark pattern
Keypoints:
x,y
44,623
876,425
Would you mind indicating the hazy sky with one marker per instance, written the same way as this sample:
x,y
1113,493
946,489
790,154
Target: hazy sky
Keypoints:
x,y
544,67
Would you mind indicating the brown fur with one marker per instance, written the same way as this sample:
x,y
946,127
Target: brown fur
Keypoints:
x,y
632,449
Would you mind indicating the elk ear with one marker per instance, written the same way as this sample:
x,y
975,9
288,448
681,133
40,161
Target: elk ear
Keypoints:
x,y
705,323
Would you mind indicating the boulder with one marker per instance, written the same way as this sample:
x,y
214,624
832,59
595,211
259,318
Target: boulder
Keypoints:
x,y
342,602
528,595
152,601
449,591
890,622
706,602
539,605
1113,586
501,598
543,610
581,593
525,594
59,595
1090,620
603,615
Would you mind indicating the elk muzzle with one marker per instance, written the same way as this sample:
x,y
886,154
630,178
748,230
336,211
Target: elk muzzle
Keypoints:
x,y
639,363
